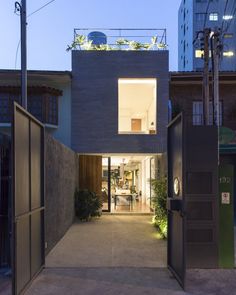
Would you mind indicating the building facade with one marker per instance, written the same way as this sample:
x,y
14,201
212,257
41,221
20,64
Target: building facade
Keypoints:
x,y
193,16
49,100
119,101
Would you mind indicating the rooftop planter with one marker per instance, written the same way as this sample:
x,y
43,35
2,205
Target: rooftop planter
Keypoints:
x,y
81,42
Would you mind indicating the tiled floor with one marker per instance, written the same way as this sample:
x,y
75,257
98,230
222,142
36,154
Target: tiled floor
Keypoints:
x,y
135,207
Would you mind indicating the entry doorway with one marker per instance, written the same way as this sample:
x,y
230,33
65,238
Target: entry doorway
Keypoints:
x,y
127,182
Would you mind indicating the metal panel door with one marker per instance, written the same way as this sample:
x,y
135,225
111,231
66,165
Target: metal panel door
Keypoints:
x,y
175,202
28,198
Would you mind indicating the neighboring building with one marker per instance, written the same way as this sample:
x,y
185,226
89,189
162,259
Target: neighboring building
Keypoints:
x,y
49,100
192,17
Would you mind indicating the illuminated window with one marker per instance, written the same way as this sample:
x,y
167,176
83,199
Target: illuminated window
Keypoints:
x,y
228,53
199,53
227,17
228,35
213,16
137,106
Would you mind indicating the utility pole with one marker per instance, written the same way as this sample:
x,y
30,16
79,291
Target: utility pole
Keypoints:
x,y
216,51
216,57
22,9
206,100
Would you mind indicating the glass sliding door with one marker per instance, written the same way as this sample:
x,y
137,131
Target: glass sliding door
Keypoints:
x,y
106,186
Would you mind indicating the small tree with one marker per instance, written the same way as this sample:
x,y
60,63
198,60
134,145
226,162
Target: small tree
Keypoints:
x,y
159,199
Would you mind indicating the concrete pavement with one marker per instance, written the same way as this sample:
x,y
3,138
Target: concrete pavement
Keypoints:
x,y
120,255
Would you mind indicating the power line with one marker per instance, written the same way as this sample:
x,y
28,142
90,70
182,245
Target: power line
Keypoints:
x,y
232,14
29,15
206,14
40,8
17,49
222,25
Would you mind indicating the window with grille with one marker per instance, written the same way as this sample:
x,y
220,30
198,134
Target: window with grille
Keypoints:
x,y
44,107
198,113
52,110
35,106
6,100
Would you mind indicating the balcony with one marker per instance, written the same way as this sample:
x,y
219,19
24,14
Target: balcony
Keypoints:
x,y
42,103
119,39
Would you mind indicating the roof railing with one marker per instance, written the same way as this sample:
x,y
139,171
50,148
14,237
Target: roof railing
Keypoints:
x,y
119,39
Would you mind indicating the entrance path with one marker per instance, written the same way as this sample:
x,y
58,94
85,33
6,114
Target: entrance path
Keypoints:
x,y
117,255
110,241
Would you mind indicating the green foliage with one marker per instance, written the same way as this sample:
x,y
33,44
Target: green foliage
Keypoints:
x,y
81,42
87,204
159,199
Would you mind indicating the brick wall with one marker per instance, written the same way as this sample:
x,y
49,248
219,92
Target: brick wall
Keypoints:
x,y
95,100
61,179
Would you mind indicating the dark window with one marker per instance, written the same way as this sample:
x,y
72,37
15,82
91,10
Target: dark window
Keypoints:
x,y
6,100
51,110
200,17
198,113
35,106
43,106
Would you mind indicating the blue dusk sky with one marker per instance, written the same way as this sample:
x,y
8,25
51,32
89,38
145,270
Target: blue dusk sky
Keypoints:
x,y
51,29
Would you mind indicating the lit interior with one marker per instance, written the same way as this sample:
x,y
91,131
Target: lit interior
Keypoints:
x,y
129,178
137,106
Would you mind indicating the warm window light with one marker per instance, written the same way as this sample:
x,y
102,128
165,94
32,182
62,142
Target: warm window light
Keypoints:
x,y
228,36
227,17
199,53
228,53
137,81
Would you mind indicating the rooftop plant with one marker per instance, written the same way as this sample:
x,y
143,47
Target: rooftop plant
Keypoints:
x,y
81,42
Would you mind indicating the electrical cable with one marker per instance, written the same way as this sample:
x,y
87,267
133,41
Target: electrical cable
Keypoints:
x,y
223,20
40,8
233,12
206,13
29,15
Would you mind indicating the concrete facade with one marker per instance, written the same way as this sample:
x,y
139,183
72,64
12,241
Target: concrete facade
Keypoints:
x,y
192,17
94,123
61,175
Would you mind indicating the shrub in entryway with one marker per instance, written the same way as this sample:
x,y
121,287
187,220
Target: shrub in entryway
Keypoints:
x,y
87,204
159,187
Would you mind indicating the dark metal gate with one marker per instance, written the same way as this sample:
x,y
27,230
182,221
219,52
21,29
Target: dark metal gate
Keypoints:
x,y
175,202
193,217
28,198
4,201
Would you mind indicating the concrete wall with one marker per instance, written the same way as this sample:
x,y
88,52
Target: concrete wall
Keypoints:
x,y
61,179
95,100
